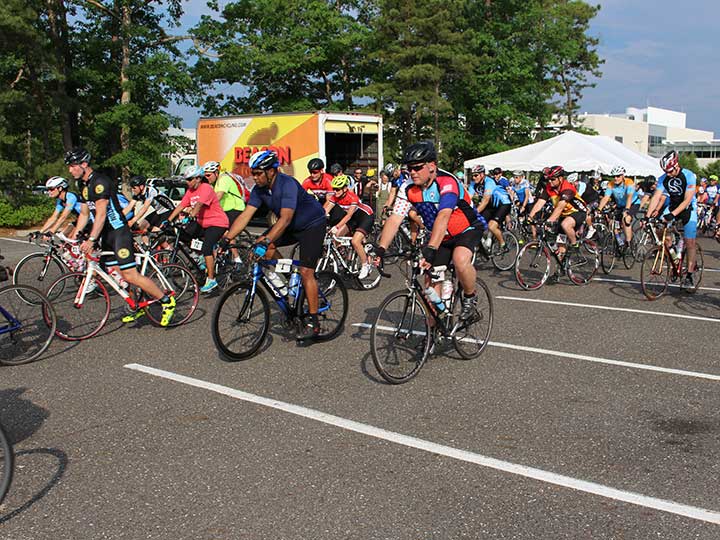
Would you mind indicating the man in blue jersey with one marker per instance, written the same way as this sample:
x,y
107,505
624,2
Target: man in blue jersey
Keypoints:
x,y
626,197
679,185
301,219
494,205
66,203
521,190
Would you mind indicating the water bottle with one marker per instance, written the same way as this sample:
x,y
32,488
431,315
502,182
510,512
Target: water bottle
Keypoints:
x,y
619,238
674,254
200,260
680,245
293,285
118,277
278,282
433,296
447,289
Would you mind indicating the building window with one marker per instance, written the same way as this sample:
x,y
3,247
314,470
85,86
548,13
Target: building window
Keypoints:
x,y
618,138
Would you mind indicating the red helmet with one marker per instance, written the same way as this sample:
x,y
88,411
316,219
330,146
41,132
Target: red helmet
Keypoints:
x,y
555,171
669,161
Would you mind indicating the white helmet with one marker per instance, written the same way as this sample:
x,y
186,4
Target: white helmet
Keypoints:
x,y
617,171
56,181
211,166
573,177
194,172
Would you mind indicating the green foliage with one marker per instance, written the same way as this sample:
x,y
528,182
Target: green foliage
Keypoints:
x,y
689,161
26,212
712,168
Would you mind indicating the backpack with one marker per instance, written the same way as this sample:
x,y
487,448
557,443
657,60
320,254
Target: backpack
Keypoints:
x,y
240,184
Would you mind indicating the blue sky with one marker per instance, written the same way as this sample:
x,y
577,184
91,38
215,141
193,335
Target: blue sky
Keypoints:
x,y
657,52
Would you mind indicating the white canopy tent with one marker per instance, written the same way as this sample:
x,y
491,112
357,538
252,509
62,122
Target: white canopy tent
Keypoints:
x,y
575,153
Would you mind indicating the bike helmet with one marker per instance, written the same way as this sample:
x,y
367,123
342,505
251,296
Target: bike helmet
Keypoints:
x,y
556,171
713,177
460,175
669,161
617,171
403,168
336,169
211,166
573,177
316,164
264,159
339,182
518,173
389,169
420,152
137,181
77,155
477,169
56,182
495,171
194,172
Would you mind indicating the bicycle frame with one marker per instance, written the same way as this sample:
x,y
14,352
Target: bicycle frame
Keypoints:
x,y
12,323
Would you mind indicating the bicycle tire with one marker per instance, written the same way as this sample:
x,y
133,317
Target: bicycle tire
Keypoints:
x,y
70,326
331,291
187,294
414,339
583,263
629,255
471,337
32,271
7,463
32,328
608,250
505,261
532,267
655,273
699,267
234,310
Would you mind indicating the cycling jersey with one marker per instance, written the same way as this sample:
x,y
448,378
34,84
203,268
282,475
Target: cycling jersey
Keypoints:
x,y
350,199
712,192
444,192
211,213
499,194
157,202
503,182
321,189
565,192
401,179
232,199
621,192
286,192
100,187
675,187
520,188
71,201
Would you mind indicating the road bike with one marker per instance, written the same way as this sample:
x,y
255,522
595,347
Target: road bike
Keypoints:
x,y
241,319
663,265
408,323
580,262
339,256
502,258
83,303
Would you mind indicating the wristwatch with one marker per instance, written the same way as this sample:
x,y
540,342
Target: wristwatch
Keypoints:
x,y
92,238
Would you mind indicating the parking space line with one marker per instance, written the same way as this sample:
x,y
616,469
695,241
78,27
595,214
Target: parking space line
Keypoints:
x,y
609,308
612,280
585,358
592,488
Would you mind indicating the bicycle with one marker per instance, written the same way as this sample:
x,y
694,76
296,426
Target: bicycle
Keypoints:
x,y
27,322
501,258
7,463
241,319
532,267
339,255
83,301
613,243
663,264
411,323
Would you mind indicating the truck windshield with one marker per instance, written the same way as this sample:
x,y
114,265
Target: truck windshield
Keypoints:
x,y
183,165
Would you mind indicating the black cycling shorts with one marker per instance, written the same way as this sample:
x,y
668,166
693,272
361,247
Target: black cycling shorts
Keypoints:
x,y
210,237
469,239
578,218
310,241
361,222
497,213
119,241
155,219
336,214
232,215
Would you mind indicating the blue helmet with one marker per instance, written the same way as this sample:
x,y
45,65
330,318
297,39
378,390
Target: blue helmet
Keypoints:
x,y
194,172
264,159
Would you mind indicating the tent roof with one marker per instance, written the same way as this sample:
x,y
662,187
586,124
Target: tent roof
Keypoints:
x,y
574,152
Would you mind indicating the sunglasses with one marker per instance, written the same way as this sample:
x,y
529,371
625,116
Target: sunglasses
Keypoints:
x,y
315,171
416,168
337,189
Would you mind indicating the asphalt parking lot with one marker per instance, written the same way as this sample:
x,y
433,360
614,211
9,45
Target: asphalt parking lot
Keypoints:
x,y
593,414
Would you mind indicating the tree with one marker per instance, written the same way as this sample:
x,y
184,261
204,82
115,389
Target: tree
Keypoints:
x,y
689,161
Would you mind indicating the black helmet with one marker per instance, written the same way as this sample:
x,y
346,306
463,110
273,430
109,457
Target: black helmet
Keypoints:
x,y
335,169
496,170
420,152
316,164
77,155
136,181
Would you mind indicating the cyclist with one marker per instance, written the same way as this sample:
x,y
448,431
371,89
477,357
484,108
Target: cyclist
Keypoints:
x,y
99,198
568,207
301,220
626,198
336,169
228,193
714,196
66,203
212,221
153,211
494,206
679,185
521,191
319,181
358,219
399,177
590,193
446,209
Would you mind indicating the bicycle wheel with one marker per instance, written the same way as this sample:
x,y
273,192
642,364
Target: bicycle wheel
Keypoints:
x,y
532,266
332,306
504,259
699,267
75,323
400,337
608,251
38,270
240,322
655,272
583,262
629,253
187,294
7,464
470,337
27,324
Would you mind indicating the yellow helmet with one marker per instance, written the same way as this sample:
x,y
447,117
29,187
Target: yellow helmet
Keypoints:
x,y
339,182
370,173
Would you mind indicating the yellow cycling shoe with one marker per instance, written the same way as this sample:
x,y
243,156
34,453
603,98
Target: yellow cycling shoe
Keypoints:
x,y
168,311
134,316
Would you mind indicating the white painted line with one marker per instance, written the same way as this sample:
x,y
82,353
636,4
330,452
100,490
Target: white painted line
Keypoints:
x,y
638,283
608,308
711,269
597,360
693,512
15,240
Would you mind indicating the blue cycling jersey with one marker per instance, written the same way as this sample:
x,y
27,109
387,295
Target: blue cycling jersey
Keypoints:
x,y
621,192
71,201
400,180
520,189
287,192
498,193
675,187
